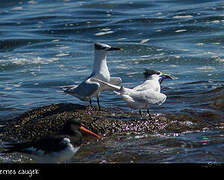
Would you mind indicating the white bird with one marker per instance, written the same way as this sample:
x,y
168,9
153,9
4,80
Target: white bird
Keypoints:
x,y
89,88
142,96
153,80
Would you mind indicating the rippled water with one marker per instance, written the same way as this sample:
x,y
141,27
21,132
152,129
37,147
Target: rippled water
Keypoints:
x,y
50,43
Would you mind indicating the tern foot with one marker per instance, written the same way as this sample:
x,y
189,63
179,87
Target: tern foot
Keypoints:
x,y
150,117
140,112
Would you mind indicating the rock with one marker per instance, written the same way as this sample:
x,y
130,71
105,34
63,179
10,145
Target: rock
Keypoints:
x,y
50,119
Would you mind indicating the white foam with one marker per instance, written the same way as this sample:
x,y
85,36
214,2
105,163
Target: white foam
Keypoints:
x,y
17,85
25,61
206,68
19,8
199,44
61,55
215,21
219,59
144,41
180,30
103,33
182,17
121,39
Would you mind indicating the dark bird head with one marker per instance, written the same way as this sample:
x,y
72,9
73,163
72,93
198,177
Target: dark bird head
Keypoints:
x,y
74,126
149,72
105,47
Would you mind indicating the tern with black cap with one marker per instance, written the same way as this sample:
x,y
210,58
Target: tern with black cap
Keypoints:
x,y
153,80
144,95
89,88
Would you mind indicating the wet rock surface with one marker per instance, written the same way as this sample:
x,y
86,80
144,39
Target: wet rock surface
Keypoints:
x,y
50,119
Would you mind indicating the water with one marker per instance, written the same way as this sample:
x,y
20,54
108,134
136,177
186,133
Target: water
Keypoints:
x,y
50,43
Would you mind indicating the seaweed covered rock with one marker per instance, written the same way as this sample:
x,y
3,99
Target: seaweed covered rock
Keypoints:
x,y
50,119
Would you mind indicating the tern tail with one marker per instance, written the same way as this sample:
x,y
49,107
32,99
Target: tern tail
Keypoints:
x,y
111,86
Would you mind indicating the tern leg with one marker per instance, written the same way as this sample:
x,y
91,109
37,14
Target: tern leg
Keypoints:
x,y
90,102
150,117
140,112
98,102
148,111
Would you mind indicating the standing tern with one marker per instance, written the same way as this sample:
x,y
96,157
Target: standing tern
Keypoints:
x,y
142,96
90,88
54,149
153,80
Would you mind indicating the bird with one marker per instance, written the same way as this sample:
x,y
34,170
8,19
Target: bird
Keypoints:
x,y
144,95
88,88
54,148
153,80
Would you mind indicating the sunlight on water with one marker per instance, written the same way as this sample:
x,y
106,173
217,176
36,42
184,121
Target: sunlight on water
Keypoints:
x,y
51,43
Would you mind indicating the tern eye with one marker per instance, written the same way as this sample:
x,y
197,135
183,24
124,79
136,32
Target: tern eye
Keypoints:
x,y
104,48
150,72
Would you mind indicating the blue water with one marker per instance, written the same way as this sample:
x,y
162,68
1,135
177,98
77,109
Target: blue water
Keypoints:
x,y
49,43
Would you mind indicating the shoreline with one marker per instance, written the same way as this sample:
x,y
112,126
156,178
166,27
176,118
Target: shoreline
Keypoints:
x,y
50,119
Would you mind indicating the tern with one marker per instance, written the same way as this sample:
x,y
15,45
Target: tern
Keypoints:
x,y
153,80
89,88
144,95
53,149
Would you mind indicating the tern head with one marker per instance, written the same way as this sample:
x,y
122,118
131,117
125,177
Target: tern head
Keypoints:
x,y
151,73
157,75
105,47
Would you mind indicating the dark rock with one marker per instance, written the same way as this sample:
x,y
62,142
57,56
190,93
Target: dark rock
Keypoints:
x,y
50,119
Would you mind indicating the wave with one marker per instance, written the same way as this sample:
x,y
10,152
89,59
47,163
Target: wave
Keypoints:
x,y
15,62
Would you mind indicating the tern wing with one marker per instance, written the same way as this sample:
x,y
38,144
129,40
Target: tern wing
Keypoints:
x,y
148,84
149,97
115,81
84,91
108,85
141,87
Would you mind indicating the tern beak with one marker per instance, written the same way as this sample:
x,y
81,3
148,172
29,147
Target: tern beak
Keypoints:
x,y
89,132
114,49
168,76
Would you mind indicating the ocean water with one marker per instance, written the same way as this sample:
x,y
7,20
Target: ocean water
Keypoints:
x,y
46,43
